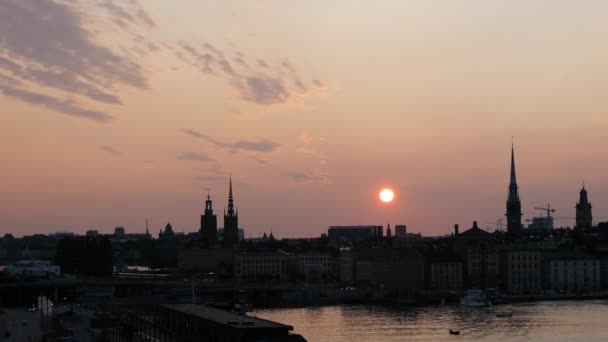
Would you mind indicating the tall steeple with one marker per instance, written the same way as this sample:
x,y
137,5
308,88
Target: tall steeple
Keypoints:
x,y
230,199
513,203
513,177
231,221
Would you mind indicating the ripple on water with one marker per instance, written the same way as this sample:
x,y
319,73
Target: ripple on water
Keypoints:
x,y
542,321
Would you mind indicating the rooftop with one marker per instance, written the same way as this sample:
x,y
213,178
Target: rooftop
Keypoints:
x,y
226,317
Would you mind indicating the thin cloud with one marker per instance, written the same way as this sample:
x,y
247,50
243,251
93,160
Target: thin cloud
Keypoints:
x,y
312,176
260,160
194,156
46,44
260,145
255,81
111,150
63,106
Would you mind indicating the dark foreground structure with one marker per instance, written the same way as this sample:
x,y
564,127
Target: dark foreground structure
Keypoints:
x,y
184,323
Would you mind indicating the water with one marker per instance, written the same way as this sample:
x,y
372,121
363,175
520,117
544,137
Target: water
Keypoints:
x,y
541,321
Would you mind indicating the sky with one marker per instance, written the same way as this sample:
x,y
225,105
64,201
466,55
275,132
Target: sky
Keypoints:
x,y
112,111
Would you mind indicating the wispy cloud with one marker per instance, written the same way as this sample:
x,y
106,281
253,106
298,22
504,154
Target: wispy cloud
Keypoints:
x,y
194,156
126,13
111,150
255,80
260,160
259,145
63,106
46,44
313,176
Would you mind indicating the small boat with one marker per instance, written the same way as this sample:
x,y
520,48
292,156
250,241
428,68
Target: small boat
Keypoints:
x,y
504,314
454,332
476,299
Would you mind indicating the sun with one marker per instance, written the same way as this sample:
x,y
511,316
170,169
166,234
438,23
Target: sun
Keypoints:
x,y
387,195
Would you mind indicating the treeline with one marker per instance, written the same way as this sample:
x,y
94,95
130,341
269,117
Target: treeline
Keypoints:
x,y
85,256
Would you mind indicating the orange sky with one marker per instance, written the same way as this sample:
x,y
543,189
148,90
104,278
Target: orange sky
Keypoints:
x,y
114,111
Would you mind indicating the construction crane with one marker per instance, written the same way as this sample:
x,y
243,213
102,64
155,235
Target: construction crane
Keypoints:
x,y
548,209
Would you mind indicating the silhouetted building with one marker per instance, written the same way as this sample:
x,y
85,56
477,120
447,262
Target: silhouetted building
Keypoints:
x,y
219,260
400,230
584,218
92,233
119,231
231,222
541,224
208,231
399,270
513,203
315,266
572,271
353,233
388,231
522,271
167,233
263,266
445,272
479,250
346,265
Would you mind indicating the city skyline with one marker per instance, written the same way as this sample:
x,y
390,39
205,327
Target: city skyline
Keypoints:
x,y
313,108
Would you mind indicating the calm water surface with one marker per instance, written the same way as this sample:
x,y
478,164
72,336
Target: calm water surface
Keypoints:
x,y
541,321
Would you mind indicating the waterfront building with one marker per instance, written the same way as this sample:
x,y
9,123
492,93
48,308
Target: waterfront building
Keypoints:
x,y
513,214
479,250
264,266
522,271
208,229
584,217
230,234
572,272
398,270
445,272
346,265
314,266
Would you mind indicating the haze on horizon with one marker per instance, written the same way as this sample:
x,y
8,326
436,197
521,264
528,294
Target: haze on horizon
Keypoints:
x,y
114,111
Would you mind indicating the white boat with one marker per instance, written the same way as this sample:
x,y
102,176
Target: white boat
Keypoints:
x,y
476,299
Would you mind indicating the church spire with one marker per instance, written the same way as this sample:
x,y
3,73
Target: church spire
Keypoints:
x,y
513,177
230,199
513,203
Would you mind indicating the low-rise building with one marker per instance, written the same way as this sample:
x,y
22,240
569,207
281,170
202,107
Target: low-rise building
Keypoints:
x,y
315,267
479,250
346,265
264,266
354,233
522,271
206,260
573,272
400,270
445,273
